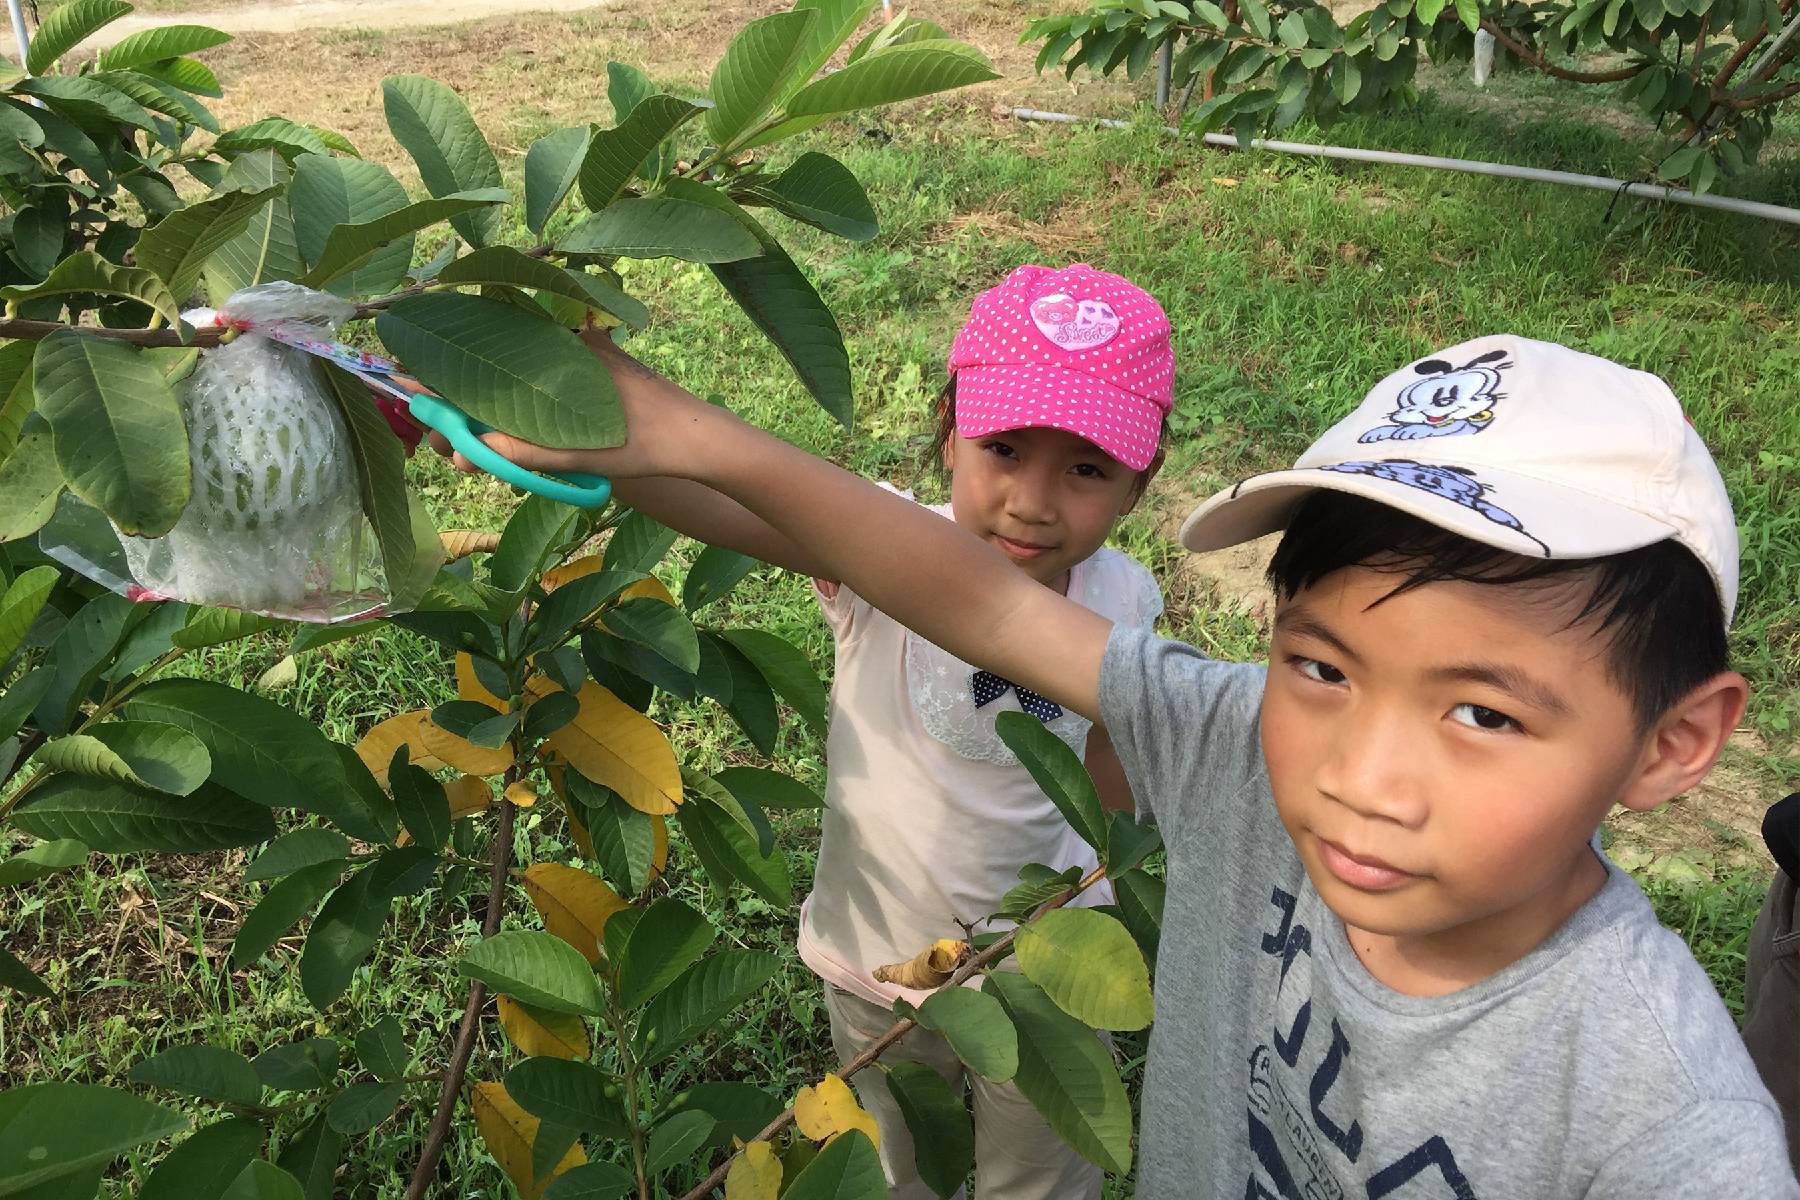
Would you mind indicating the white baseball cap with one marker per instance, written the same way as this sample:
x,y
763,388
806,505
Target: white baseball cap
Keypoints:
x,y
1522,445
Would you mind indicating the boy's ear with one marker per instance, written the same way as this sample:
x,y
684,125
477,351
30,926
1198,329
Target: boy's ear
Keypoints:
x,y
1686,741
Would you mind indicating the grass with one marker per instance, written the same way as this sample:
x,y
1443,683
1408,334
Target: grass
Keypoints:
x,y
1292,286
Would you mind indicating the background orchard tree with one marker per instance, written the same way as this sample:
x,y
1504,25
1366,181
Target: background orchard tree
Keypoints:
x,y
125,204
1712,72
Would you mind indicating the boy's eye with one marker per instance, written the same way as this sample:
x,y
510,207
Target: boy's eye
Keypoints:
x,y
1312,668
1478,717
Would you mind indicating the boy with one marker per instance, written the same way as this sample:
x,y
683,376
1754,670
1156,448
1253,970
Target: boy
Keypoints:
x,y
1394,963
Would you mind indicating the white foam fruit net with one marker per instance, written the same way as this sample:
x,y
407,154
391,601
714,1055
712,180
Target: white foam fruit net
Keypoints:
x,y
275,524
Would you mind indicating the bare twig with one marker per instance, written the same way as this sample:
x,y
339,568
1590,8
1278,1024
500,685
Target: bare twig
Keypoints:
x,y
1533,59
901,1028
465,1034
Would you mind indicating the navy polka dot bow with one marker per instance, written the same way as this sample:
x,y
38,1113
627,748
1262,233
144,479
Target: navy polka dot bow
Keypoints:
x,y
989,687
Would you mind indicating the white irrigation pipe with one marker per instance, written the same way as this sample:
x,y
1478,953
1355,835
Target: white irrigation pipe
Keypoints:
x,y
19,34
1599,183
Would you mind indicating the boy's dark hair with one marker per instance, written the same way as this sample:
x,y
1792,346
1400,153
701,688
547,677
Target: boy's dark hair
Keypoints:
x,y
1657,604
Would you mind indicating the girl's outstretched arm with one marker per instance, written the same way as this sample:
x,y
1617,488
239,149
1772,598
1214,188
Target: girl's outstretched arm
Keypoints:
x,y
927,573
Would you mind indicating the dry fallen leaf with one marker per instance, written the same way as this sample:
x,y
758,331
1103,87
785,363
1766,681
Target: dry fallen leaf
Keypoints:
x,y
1225,181
929,968
460,543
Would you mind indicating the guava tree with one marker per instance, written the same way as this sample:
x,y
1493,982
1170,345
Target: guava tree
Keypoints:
x,y
1712,72
125,203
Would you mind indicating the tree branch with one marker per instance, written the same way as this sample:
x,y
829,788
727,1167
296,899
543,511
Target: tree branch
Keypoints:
x,y
901,1028
1533,59
465,1034
1767,98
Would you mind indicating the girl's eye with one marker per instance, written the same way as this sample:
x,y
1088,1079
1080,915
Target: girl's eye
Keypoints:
x,y
1476,716
1089,471
1001,449
1313,669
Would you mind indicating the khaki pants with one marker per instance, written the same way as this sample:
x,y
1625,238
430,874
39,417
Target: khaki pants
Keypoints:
x,y
1772,1002
1017,1155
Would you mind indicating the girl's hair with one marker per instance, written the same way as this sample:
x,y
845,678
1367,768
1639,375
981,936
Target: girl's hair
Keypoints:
x,y
946,429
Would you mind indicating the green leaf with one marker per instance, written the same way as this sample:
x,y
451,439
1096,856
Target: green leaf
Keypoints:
x,y
40,860
301,848
164,98
209,1072
1067,1074
1292,31
405,871
49,1131
78,656
506,266
381,486
268,249
675,1140
757,69
551,167
86,272
1127,843
699,998
264,1181
614,155
1678,164
330,192
763,788
781,302
661,227
342,935
362,1106
1140,901
713,575
202,1167
217,626
537,968
624,838
313,1158
115,818
19,977
539,532
20,606
303,1066
506,368
281,906
571,1094
287,138
38,238
116,428
590,1181
895,73
17,401
837,20
432,124
1087,962
788,671
1469,12
752,700
822,192
942,1134
349,247
847,1169
1255,14
67,27
188,74
381,1049
660,627
638,543
475,722
729,851
667,939
259,749
1059,771
1429,10
152,46
424,809
574,602
977,1028
738,1110
1040,885
162,757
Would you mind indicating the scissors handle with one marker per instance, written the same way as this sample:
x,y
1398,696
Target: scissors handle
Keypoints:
x,y
574,487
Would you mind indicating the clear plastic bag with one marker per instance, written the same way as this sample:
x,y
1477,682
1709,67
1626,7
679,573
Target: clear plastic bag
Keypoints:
x,y
275,523
1483,66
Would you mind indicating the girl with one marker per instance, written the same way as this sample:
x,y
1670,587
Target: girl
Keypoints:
x,y
1049,430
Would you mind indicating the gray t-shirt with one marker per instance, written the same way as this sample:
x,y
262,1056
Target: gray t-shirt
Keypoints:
x,y
1599,1065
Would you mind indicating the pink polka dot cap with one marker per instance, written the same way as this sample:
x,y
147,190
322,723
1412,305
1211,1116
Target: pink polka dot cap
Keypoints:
x,y
1074,349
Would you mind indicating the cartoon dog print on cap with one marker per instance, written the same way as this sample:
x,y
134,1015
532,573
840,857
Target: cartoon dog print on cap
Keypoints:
x,y
1455,484
1074,324
1448,401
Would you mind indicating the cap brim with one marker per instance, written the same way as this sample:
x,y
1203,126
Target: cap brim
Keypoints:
x,y
1040,396
1514,512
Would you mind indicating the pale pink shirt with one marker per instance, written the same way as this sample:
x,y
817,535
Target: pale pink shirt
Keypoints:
x,y
928,816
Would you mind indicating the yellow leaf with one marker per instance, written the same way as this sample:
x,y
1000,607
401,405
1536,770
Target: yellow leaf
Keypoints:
x,y
377,746
755,1174
569,571
460,543
537,1031
652,588
465,756
468,687
468,794
614,744
509,1131
929,968
521,794
574,904
830,1108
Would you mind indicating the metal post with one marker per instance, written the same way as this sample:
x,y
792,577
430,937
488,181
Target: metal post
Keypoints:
x,y
19,35
1165,71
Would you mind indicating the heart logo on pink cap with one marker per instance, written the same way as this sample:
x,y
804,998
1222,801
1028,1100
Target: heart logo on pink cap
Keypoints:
x,y
1074,324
